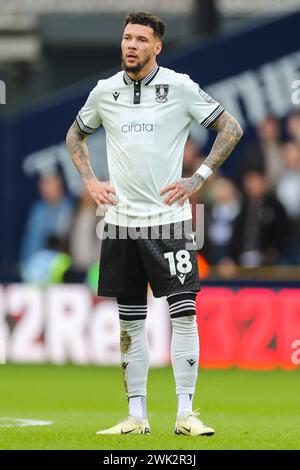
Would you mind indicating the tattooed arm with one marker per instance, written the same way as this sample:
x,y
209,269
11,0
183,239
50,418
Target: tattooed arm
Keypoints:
x,y
229,133
77,146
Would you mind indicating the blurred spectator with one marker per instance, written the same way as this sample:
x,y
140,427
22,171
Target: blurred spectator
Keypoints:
x,y
261,227
293,127
191,159
288,188
269,132
48,265
224,210
50,215
264,153
191,162
83,241
288,193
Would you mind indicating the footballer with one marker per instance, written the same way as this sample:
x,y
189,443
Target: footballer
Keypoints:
x,y
146,111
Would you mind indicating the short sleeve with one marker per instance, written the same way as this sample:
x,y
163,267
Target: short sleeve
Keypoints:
x,y
88,118
201,107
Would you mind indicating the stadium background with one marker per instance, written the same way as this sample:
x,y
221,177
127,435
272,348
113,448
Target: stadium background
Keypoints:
x,y
247,56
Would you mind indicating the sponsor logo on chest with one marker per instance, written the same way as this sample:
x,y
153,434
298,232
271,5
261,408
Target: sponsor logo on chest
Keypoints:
x,y
138,127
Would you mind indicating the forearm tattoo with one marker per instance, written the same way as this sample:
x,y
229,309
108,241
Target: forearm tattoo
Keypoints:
x,y
77,146
229,134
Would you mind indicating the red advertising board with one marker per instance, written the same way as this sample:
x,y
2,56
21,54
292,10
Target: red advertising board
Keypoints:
x,y
249,328
245,328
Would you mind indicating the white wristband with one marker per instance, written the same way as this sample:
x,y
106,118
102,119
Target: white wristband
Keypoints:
x,y
204,171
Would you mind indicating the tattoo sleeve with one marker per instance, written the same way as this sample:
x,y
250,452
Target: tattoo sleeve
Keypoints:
x,y
77,145
229,133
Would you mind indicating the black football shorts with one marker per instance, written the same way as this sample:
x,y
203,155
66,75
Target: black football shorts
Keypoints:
x,y
132,258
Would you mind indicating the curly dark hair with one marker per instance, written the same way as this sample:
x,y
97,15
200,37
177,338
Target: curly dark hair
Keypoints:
x,y
147,19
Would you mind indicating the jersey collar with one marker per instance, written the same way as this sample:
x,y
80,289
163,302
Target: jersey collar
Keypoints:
x,y
144,81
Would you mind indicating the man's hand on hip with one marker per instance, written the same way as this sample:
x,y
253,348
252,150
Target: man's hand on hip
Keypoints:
x,y
100,191
182,189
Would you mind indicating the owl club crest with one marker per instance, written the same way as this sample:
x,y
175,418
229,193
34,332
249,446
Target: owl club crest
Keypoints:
x,y
161,93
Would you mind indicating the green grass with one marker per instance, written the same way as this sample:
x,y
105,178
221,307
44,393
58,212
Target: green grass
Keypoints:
x,y
248,409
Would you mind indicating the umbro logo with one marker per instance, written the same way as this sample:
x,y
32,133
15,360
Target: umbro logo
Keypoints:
x,y
116,95
191,362
124,365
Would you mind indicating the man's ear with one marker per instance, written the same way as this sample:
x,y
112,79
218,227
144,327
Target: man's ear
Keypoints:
x,y
158,48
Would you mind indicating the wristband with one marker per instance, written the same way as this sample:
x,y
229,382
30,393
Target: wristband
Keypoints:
x,y
204,171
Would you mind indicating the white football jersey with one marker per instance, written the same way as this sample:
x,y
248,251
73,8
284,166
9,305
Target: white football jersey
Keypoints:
x,y
147,124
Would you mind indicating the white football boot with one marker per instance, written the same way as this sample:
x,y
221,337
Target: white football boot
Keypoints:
x,y
128,426
191,425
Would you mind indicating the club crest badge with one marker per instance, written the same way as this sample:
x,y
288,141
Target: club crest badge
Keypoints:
x,y
161,93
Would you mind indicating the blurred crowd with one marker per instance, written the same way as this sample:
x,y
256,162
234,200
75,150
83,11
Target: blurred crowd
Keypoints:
x,y
60,242
252,219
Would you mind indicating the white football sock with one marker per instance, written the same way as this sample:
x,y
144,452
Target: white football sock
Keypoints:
x,y
185,353
137,407
134,356
185,404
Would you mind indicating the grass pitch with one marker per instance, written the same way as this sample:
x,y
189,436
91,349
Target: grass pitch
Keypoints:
x,y
248,409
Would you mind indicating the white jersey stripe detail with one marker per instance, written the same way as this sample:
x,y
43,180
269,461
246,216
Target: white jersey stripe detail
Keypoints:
x,y
80,124
213,116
